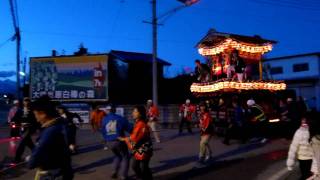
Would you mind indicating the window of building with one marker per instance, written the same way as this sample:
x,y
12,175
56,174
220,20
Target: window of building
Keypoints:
x,y
300,67
276,70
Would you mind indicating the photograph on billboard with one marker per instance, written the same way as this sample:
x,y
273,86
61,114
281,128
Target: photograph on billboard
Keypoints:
x,y
70,78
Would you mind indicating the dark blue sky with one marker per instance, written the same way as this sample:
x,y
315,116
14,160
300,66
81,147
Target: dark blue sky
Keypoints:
x,y
103,25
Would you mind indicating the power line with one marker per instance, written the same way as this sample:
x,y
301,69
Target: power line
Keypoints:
x,y
294,2
6,41
286,5
100,37
266,17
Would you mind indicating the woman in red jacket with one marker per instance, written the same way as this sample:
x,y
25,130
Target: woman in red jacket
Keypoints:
x,y
206,131
139,142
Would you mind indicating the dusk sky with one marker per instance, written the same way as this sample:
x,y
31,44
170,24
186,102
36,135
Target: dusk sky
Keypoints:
x,y
104,25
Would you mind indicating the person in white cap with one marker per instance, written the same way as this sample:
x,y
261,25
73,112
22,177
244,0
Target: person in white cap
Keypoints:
x,y
186,112
153,116
258,119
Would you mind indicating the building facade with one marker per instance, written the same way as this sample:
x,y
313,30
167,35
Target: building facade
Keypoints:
x,y
300,72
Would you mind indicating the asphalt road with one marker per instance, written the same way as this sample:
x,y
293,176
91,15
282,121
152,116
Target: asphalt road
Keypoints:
x,y
174,158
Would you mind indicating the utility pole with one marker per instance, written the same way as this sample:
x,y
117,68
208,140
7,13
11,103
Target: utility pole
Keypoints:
x,y
18,40
17,37
24,70
155,24
154,53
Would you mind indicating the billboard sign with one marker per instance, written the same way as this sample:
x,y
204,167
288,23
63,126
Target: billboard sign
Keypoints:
x,y
70,78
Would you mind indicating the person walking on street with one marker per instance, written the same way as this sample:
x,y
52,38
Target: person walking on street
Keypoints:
x,y
114,127
186,112
29,126
153,117
14,129
206,131
236,123
221,119
96,117
13,110
72,119
294,115
301,104
139,142
301,149
51,156
284,119
258,120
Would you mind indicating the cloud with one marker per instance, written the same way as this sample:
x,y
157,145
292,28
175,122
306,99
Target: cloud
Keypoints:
x,y
6,74
11,64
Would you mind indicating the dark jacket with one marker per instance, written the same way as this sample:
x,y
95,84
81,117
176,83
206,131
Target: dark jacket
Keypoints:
x,y
28,118
51,151
236,116
240,65
256,113
202,70
73,119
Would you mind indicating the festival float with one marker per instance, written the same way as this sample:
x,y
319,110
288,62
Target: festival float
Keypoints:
x,y
222,52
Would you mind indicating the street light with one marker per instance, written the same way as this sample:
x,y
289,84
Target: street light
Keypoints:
x,y
155,42
22,73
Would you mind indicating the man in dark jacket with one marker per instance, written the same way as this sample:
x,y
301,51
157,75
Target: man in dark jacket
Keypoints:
x,y
239,65
235,123
72,120
294,115
114,127
258,120
202,71
51,154
26,119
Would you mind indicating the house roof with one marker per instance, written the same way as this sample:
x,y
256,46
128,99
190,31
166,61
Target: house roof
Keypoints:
x,y
214,37
292,56
134,56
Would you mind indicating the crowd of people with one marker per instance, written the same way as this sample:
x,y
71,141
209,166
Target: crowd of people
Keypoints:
x,y
51,154
57,138
251,121
232,118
